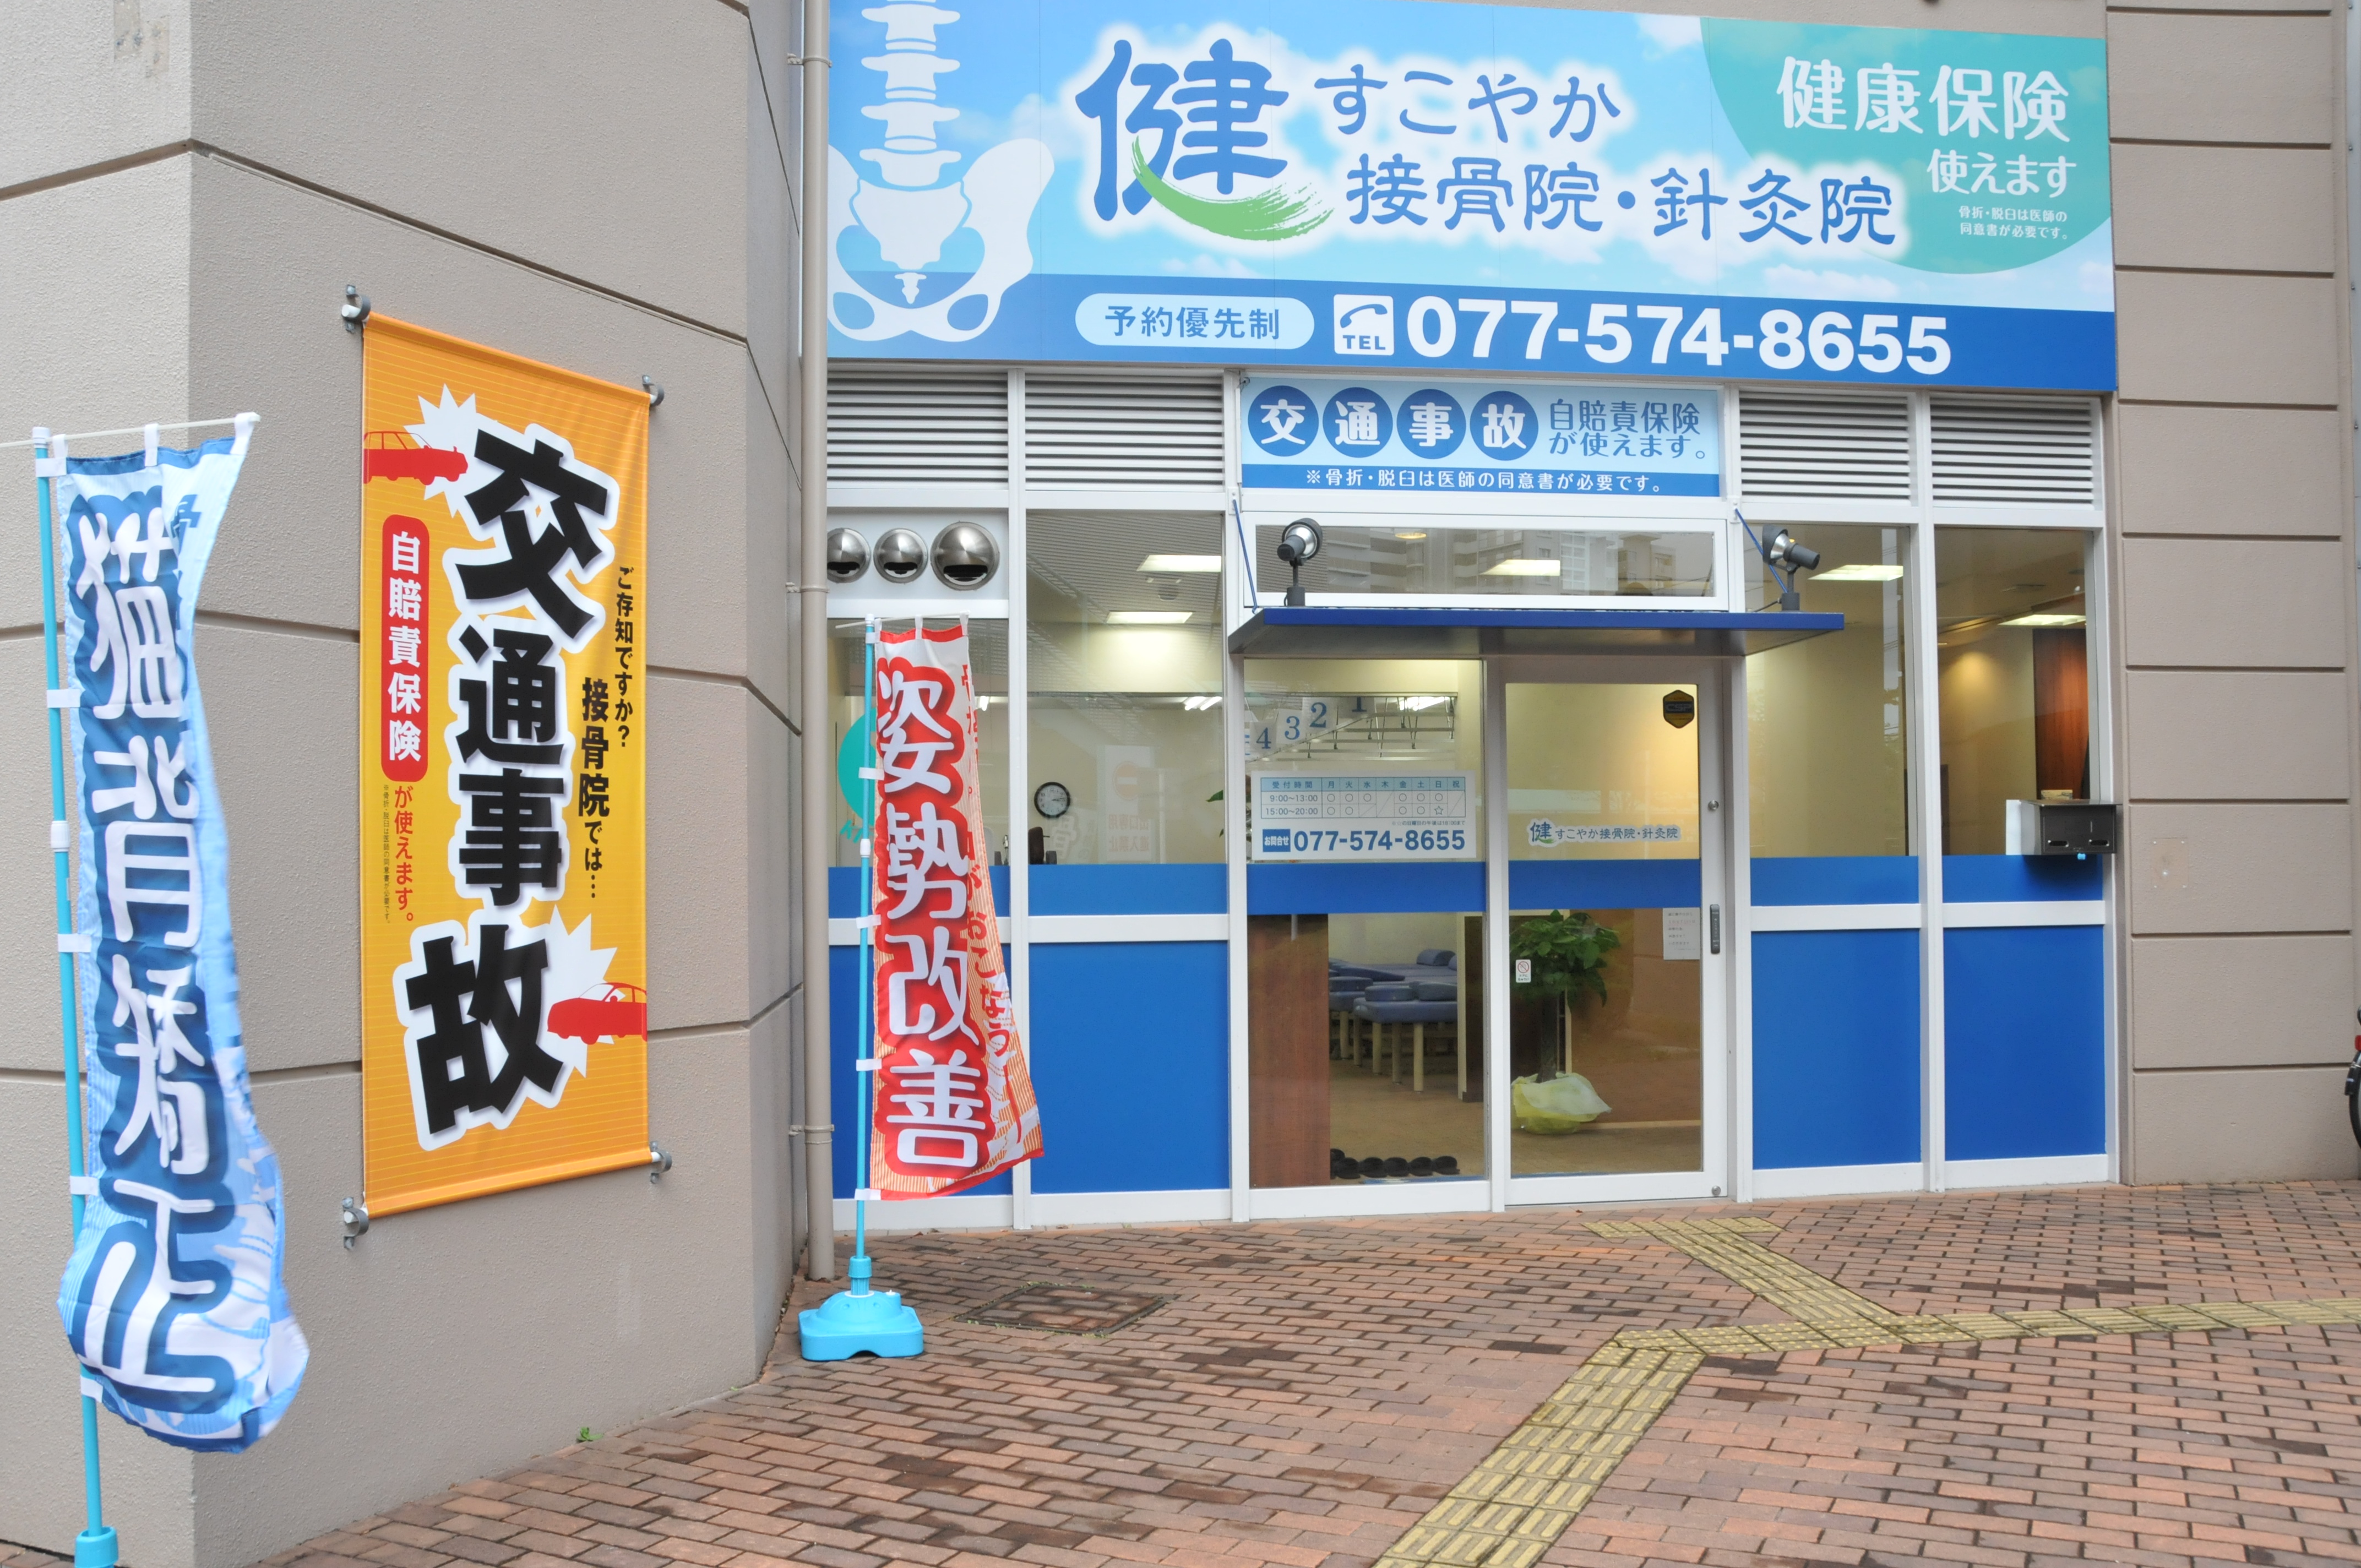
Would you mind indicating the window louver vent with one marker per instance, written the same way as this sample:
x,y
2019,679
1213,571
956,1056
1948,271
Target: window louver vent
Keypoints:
x,y
1836,447
2016,452
900,424
1106,431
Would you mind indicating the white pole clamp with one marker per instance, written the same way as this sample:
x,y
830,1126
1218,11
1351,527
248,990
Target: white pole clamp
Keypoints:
x,y
867,922
66,697
74,942
872,774
868,1194
866,1064
57,840
82,1185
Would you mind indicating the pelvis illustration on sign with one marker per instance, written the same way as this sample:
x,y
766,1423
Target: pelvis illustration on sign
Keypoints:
x,y
899,217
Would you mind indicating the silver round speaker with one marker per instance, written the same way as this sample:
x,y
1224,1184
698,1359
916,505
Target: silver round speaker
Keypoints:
x,y
966,557
901,555
847,556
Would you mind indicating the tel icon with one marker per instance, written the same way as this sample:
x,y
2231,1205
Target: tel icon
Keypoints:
x,y
1365,323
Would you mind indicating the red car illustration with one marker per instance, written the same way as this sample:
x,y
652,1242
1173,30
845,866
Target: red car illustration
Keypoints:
x,y
612,1012
394,454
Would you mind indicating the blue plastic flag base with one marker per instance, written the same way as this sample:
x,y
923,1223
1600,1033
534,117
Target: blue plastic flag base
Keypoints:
x,y
861,1319
95,1548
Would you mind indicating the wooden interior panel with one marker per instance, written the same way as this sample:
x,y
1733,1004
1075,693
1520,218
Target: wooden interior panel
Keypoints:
x,y
2061,710
1286,1050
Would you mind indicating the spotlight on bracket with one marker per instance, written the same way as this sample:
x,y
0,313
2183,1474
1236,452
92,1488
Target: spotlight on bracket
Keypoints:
x,y
966,557
1299,542
901,555
1783,550
847,556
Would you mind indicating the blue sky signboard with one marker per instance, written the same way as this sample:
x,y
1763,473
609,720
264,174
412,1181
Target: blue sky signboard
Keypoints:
x,y
1406,185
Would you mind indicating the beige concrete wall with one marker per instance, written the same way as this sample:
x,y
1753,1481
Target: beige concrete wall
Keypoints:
x,y
2232,551
604,187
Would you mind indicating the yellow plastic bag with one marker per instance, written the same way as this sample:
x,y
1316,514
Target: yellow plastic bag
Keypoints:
x,y
1564,1104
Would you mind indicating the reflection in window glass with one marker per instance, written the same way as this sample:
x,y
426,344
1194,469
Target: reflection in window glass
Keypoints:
x,y
1365,1049
1606,1003
1429,558
988,654
2009,613
1826,747
1125,665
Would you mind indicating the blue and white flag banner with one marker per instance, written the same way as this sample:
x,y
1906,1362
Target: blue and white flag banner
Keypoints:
x,y
174,1301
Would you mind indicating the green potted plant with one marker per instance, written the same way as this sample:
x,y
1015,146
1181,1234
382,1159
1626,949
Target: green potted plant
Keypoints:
x,y
1567,954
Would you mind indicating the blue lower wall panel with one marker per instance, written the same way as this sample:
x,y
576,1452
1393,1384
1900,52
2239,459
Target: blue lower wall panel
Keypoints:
x,y
1836,1049
1129,889
1836,879
1130,1054
1398,887
1602,885
2018,879
2024,1042
844,1030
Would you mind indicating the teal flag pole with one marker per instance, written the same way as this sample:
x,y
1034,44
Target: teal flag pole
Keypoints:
x,y
95,1546
859,1319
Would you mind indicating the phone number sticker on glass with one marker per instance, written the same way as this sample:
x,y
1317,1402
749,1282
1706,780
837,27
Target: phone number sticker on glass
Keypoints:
x,y
1363,817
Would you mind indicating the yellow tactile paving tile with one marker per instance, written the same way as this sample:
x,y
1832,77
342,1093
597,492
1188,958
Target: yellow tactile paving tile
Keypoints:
x,y
1516,1503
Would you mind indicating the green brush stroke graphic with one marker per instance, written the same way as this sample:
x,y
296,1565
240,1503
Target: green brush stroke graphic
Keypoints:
x,y
1272,216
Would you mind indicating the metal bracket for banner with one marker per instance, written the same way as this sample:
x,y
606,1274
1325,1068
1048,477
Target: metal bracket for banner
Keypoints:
x,y
356,1222
659,1162
654,390
355,312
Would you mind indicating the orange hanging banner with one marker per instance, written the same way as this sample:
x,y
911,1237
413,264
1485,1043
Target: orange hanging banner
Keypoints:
x,y
954,1103
503,772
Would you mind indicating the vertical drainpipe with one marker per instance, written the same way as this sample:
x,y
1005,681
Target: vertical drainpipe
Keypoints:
x,y
819,1156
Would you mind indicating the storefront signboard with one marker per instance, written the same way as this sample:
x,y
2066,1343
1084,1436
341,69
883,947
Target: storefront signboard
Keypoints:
x,y
1363,817
1403,185
1570,437
503,769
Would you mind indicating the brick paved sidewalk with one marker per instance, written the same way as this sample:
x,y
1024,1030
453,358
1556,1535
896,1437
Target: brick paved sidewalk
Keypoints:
x,y
1313,1391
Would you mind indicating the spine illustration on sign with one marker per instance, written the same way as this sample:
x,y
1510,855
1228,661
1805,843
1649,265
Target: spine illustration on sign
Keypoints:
x,y
890,225
174,1301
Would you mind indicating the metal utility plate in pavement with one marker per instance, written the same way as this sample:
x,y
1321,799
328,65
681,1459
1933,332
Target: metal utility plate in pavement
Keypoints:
x,y
1336,632
1056,1309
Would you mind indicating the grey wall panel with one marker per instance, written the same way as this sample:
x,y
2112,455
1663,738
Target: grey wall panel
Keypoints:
x,y
456,1341
2211,470
40,1496
123,68
698,894
2235,602
771,833
2203,1002
770,1240
2262,204
2222,79
289,770
2283,1124
28,923
2233,734
95,335
769,562
588,138
2199,868
270,263
2198,337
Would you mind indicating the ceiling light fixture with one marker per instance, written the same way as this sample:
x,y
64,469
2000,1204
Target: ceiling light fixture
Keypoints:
x,y
1205,564
1200,703
1526,568
1147,616
1410,533
2039,619
1421,704
1861,573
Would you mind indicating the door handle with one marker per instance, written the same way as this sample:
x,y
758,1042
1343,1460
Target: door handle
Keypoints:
x,y
1713,927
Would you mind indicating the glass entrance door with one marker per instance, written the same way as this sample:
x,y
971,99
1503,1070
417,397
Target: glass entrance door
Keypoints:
x,y
1611,1038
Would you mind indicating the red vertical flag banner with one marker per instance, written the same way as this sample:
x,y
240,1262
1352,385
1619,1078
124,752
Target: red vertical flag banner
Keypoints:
x,y
954,1102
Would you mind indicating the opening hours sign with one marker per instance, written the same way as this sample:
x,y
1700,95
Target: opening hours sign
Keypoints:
x,y
503,772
